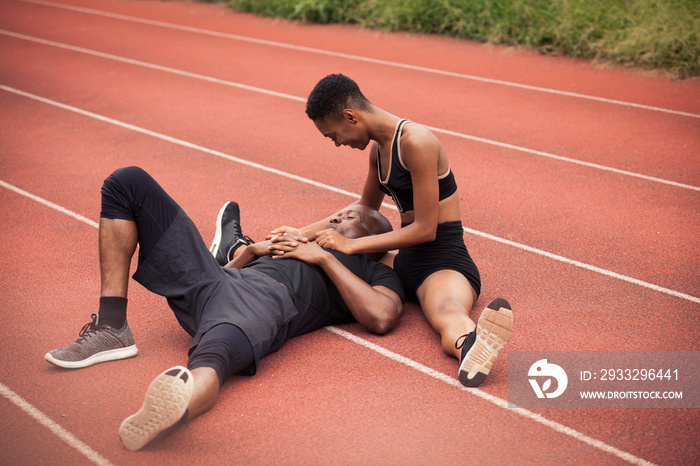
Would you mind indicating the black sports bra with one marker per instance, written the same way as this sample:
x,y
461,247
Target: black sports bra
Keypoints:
x,y
398,182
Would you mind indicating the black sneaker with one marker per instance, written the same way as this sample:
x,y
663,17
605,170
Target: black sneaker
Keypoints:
x,y
97,343
481,347
229,236
163,409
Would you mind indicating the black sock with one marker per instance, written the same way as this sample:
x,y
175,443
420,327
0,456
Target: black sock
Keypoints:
x,y
112,311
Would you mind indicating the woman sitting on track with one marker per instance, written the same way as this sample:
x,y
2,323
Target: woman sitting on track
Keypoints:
x,y
407,162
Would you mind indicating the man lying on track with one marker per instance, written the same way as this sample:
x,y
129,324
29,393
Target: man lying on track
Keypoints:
x,y
285,287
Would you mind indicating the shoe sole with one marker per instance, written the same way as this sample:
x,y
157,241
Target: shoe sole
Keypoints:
x,y
214,248
103,356
166,402
493,331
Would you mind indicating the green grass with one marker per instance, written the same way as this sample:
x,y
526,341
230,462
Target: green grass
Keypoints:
x,y
649,34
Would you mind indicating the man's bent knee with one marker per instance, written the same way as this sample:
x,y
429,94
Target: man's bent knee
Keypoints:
x,y
119,193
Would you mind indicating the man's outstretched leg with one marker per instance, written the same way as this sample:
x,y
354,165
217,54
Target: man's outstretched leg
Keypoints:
x,y
179,394
175,395
108,337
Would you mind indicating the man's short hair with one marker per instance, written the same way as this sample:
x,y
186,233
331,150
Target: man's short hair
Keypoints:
x,y
375,222
332,95
383,224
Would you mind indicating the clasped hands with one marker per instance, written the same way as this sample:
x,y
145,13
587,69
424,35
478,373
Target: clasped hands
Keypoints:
x,y
328,238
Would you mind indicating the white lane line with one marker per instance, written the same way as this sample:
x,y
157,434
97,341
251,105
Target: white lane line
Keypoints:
x,y
303,100
585,266
566,159
327,187
149,65
557,427
560,428
50,204
55,428
299,48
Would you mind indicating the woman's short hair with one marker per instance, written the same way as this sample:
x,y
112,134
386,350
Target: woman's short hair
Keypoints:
x,y
332,95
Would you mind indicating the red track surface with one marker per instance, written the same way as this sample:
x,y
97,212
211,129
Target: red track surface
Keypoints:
x,y
324,398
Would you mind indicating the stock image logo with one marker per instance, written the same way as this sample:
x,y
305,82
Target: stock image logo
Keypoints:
x,y
546,372
603,379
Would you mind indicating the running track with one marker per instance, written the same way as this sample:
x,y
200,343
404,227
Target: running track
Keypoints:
x,y
580,190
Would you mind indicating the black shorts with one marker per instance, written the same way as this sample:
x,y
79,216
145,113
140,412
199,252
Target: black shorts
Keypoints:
x,y
447,252
175,263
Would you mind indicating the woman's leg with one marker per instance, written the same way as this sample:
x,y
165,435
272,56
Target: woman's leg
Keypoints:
x,y
446,298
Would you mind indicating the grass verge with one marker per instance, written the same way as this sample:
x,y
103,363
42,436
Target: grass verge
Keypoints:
x,y
649,34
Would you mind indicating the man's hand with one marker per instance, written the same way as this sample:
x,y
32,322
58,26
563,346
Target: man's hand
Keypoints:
x,y
276,246
331,239
260,249
294,247
250,253
283,230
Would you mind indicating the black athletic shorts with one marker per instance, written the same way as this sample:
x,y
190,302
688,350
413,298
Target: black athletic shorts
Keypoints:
x,y
447,252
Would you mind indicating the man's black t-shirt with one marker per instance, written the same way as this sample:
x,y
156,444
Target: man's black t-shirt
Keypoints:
x,y
271,300
315,296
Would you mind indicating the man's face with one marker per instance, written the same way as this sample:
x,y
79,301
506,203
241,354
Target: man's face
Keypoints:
x,y
343,132
352,222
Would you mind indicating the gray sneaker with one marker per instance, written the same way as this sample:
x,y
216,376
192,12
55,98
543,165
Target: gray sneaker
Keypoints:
x,y
97,343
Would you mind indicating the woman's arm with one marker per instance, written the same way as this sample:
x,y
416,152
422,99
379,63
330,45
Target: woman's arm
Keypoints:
x,y
372,197
420,150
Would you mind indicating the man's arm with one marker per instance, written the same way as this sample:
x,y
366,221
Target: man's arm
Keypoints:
x,y
249,254
375,308
252,252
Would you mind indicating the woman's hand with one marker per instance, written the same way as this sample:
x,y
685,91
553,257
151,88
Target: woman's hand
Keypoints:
x,y
331,239
283,230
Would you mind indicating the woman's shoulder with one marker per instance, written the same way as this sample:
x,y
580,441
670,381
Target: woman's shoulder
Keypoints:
x,y
418,138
